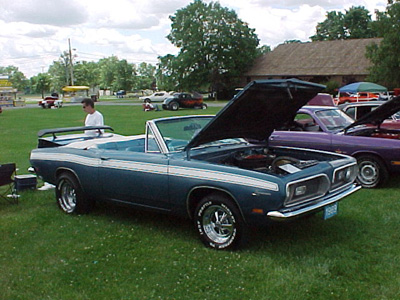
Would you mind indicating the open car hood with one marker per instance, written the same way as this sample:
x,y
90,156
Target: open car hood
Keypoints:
x,y
255,112
380,114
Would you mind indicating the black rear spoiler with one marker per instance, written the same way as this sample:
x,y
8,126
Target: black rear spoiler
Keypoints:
x,y
54,131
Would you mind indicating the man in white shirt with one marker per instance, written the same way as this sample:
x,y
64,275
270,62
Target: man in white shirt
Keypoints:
x,y
93,118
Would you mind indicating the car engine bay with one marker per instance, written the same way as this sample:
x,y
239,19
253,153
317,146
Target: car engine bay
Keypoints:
x,y
265,160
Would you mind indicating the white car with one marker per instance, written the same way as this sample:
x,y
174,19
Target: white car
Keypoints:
x,y
156,97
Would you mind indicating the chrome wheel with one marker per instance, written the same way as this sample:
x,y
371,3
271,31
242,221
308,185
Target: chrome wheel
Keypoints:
x,y
218,223
70,197
372,172
368,173
67,197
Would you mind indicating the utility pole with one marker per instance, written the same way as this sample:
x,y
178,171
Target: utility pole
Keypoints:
x,y
70,62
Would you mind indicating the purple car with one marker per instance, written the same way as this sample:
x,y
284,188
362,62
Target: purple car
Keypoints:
x,y
376,148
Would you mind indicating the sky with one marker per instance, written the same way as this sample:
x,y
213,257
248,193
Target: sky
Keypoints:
x,y
34,33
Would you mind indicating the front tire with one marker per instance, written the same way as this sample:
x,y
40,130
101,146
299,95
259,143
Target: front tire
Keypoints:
x,y
204,106
174,106
372,171
70,196
219,222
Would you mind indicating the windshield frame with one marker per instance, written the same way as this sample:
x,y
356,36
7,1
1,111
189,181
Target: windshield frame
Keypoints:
x,y
170,133
173,134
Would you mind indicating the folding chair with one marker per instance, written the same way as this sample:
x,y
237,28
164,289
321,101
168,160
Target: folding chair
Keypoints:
x,y
8,193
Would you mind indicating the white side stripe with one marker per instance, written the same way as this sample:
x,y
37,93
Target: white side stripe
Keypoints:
x,y
185,172
222,177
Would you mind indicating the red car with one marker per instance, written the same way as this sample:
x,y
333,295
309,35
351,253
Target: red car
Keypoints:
x,y
184,100
357,97
50,101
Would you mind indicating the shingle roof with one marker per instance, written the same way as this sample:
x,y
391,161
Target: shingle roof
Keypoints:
x,y
339,57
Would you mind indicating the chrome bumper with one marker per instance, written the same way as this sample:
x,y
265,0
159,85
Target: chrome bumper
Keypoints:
x,y
281,216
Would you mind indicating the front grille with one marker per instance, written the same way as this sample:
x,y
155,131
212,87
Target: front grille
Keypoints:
x,y
306,189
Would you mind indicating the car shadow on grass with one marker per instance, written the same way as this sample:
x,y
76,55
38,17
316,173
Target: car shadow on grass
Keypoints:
x,y
309,235
166,225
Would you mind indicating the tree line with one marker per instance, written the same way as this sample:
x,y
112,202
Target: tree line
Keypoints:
x,y
216,48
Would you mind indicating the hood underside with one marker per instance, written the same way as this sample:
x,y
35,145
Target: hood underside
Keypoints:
x,y
255,112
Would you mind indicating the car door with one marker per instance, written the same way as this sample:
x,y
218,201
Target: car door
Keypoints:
x,y
184,100
159,97
135,177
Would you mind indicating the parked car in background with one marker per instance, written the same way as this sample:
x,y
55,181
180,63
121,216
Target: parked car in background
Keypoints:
x,y
202,167
357,110
377,149
184,100
156,97
120,94
386,96
51,101
356,97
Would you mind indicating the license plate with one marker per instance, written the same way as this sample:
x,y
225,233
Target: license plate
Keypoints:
x,y
330,210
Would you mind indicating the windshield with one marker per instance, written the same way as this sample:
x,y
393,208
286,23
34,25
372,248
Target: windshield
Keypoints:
x,y
177,132
334,119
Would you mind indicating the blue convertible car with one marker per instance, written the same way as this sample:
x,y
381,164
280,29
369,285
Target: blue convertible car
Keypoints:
x,y
203,167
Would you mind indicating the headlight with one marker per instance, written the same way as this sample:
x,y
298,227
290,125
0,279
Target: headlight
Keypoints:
x,y
344,175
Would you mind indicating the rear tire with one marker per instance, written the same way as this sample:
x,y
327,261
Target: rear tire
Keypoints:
x,y
219,222
70,196
372,171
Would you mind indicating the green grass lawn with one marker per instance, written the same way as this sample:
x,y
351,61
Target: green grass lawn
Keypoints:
x,y
119,253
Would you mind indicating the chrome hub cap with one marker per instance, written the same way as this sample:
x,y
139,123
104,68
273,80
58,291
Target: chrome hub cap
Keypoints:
x,y
368,173
218,224
67,197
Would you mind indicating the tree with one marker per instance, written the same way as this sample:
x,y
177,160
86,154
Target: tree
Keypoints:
x,y
107,69
41,83
264,49
145,78
292,42
358,23
330,29
86,73
216,47
385,56
116,74
59,72
16,77
124,76
167,79
354,24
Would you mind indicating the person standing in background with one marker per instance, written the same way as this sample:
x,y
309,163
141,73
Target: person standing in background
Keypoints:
x,y
94,117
